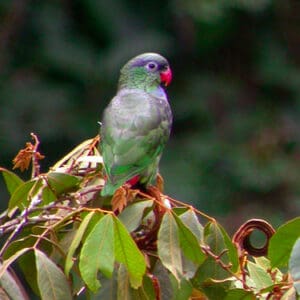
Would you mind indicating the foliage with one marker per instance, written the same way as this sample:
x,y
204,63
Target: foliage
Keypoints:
x,y
71,243
235,93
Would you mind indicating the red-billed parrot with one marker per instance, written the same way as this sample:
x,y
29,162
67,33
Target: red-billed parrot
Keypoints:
x,y
137,123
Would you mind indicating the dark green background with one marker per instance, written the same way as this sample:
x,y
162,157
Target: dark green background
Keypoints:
x,y
235,147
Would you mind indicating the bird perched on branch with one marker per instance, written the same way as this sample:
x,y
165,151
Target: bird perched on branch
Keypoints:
x,y
137,123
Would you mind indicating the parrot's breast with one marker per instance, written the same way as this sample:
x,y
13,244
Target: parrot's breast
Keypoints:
x,y
135,128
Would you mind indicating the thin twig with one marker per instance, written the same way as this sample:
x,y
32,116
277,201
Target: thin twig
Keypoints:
x,y
13,234
226,267
191,207
35,164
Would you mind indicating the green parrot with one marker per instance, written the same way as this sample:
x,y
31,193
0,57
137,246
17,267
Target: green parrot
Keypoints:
x,y
136,124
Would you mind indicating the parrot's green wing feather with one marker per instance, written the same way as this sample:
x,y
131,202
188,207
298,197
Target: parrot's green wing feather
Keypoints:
x,y
136,127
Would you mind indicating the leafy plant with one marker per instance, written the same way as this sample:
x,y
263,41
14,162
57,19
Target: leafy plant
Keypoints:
x,y
69,242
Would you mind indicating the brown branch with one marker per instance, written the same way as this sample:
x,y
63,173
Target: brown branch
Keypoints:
x,y
177,202
242,237
36,156
26,220
227,267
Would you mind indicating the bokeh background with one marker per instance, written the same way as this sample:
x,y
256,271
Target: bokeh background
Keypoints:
x,y
235,147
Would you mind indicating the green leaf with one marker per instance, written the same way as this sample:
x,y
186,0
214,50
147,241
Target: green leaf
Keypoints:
x,y
61,182
132,215
10,283
259,276
189,243
219,241
97,253
76,241
181,290
210,288
168,245
109,288
294,265
161,274
279,252
94,220
48,196
202,280
51,280
26,261
263,262
180,210
232,250
12,181
24,193
28,267
6,263
190,220
239,294
210,269
127,252
146,291
124,290
25,241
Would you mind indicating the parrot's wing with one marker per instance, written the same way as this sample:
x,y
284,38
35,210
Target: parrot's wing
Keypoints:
x,y
135,129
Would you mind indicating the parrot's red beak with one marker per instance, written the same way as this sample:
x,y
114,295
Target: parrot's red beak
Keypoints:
x,y
166,76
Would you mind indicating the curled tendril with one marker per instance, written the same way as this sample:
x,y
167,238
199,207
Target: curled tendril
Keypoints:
x,y
242,237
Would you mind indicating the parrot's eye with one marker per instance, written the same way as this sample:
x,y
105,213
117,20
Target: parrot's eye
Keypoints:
x,y
151,66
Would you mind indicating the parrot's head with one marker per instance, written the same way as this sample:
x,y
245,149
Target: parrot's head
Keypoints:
x,y
148,70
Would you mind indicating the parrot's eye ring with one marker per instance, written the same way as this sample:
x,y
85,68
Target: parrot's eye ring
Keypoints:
x,y
151,66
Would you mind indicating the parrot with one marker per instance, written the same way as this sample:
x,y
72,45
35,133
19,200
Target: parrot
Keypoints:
x,y
136,124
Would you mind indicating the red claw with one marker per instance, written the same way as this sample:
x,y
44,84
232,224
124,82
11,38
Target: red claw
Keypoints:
x,y
166,77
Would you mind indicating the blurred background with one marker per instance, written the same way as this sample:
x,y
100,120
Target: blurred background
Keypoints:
x,y
235,146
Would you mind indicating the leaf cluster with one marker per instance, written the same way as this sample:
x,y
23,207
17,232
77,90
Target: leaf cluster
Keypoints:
x,y
235,94
69,242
